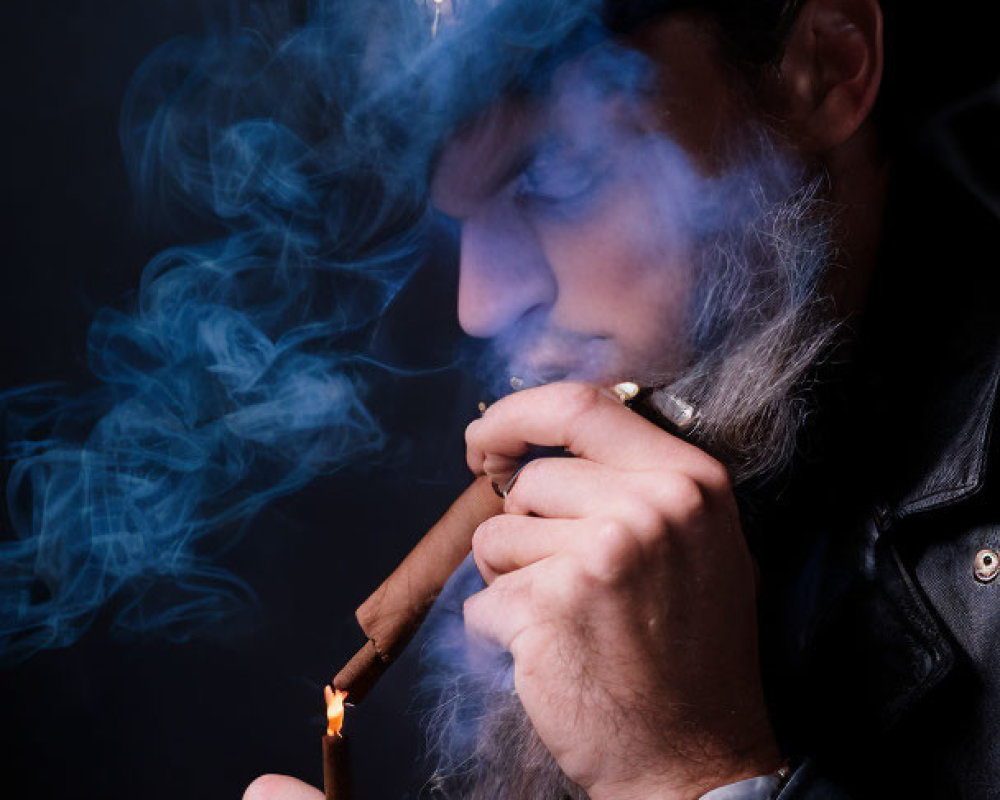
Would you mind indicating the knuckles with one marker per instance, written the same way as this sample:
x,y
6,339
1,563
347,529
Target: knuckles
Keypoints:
x,y
717,478
483,535
473,455
483,542
681,497
572,400
615,554
568,590
579,399
611,558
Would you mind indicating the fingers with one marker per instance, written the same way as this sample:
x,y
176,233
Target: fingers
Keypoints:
x,y
526,608
571,488
577,489
507,542
585,420
505,610
280,787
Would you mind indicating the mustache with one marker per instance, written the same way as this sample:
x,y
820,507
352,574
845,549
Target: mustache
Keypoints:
x,y
531,353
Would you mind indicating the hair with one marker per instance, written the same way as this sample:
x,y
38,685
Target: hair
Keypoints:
x,y
753,32
916,87
760,326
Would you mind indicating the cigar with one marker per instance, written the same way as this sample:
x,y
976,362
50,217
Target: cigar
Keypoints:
x,y
392,615
394,612
336,751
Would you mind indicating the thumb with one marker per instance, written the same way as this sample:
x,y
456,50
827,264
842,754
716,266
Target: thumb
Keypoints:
x,y
280,787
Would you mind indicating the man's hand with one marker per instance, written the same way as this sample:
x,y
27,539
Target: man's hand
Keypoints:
x,y
621,583
280,787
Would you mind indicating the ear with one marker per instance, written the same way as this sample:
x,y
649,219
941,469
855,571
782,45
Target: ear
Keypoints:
x,y
830,72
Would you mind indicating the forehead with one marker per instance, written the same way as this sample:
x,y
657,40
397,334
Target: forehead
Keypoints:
x,y
577,114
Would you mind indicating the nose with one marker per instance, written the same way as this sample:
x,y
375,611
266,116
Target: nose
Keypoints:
x,y
503,272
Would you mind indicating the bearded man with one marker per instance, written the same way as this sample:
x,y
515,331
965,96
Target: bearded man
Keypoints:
x,y
786,588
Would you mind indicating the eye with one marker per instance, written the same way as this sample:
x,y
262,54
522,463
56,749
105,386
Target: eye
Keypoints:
x,y
556,178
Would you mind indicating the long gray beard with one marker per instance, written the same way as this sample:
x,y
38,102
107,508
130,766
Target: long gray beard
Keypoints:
x,y
759,325
509,762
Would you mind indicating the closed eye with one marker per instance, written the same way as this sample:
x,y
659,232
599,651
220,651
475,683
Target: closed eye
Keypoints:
x,y
557,178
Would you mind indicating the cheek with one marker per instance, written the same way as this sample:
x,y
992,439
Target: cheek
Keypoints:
x,y
623,273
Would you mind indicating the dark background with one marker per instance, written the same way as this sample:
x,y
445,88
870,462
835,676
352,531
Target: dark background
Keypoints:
x,y
113,718
145,718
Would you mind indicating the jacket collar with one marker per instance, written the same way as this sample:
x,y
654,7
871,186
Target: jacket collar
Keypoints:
x,y
957,425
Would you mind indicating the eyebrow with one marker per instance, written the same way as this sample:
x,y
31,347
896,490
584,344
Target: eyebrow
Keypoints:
x,y
524,158
502,162
511,167
518,164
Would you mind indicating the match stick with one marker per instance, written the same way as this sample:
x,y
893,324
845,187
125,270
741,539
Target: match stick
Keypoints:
x,y
337,784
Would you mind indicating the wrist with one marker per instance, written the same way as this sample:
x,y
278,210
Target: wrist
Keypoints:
x,y
762,787
757,777
759,767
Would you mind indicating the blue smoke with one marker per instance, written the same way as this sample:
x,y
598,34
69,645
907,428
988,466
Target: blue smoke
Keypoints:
x,y
298,145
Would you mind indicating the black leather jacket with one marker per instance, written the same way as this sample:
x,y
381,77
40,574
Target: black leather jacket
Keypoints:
x,y
881,646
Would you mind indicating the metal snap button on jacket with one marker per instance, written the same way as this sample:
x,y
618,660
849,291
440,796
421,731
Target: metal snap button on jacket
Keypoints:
x,y
987,565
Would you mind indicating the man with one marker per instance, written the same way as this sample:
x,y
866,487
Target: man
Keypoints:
x,y
712,221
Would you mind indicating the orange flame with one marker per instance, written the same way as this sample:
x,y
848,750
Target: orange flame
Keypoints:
x,y
334,710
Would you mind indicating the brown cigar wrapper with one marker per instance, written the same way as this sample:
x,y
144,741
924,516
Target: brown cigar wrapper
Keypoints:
x,y
394,612
362,672
337,782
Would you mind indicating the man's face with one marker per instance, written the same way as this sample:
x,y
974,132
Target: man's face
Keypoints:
x,y
580,214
